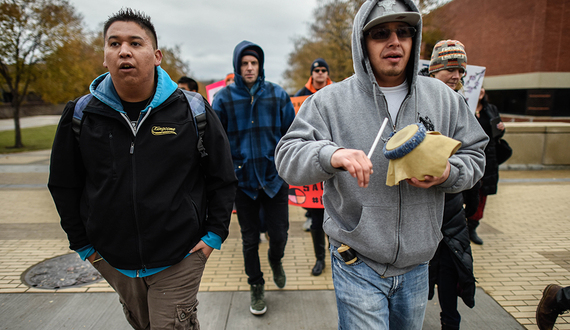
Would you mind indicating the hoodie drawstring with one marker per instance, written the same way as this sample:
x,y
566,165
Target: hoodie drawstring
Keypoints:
x,y
374,85
416,103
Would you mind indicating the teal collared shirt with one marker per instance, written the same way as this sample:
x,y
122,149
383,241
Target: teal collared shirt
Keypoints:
x,y
212,240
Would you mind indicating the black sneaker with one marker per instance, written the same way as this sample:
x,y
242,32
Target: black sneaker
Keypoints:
x,y
278,273
318,268
258,306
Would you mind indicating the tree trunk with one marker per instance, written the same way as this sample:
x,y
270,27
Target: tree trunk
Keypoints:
x,y
17,131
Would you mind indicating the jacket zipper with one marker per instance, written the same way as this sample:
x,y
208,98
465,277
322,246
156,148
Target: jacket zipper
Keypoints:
x,y
134,195
134,130
398,228
399,188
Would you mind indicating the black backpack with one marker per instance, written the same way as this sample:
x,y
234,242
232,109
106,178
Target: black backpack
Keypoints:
x,y
195,102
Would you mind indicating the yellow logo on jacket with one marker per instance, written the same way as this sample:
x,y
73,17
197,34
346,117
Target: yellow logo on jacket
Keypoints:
x,y
159,130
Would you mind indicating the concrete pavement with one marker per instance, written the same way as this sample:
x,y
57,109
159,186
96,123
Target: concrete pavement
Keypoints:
x,y
25,122
525,228
225,310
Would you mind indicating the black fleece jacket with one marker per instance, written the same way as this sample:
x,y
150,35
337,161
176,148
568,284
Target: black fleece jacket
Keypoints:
x,y
144,200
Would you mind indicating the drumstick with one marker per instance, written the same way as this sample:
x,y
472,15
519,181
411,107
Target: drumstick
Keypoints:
x,y
378,137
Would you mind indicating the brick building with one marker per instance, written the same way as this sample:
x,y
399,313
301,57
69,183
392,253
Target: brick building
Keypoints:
x,y
524,44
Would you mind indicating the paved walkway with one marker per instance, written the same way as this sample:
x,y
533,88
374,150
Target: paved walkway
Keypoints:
x,y
525,228
34,121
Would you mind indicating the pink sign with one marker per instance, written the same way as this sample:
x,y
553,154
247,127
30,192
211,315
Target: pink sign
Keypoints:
x,y
212,89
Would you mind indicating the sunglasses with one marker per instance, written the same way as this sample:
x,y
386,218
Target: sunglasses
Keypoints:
x,y
320,70
384,33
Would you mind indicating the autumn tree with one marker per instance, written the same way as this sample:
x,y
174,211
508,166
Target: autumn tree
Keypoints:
x,y
172,62
425,6
67,73
431,34
176,67
330,38
32,30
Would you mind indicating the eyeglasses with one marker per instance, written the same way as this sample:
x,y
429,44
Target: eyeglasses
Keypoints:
x,y
384,33
320,70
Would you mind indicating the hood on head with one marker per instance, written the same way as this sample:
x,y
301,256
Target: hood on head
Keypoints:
x,y
238,54
361,61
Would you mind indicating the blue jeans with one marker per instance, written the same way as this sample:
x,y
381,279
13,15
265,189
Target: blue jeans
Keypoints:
x,y
365,300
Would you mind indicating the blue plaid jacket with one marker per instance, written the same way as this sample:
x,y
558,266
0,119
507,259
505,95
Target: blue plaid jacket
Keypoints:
x,y
254,122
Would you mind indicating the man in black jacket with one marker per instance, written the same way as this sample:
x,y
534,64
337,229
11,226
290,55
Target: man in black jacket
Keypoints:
x,y
134,194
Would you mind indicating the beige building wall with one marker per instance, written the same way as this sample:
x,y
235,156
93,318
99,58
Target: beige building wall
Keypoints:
x,y
538,143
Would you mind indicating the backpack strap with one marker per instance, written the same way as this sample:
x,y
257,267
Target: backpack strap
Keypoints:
x,y
198,107
78,114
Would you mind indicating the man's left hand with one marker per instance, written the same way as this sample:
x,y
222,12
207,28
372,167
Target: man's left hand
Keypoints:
x,y
206,249
430,180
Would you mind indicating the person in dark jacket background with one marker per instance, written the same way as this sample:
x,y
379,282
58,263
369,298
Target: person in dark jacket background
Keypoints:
x,y
319,78
188,84
488,116
134,195
255,114
452,266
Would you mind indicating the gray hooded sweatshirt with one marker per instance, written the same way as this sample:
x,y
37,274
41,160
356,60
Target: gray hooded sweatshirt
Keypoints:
x,y
392,229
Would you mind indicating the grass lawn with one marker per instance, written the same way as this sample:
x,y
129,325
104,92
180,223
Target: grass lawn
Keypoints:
x,y
33,138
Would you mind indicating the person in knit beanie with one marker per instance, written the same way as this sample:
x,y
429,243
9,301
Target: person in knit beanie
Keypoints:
x,y
451,268
449,63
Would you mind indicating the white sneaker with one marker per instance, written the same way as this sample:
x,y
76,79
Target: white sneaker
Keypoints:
x,y
307,224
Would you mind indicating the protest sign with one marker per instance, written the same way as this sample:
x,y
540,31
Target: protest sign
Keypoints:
x,y
297,101
310,196
212,89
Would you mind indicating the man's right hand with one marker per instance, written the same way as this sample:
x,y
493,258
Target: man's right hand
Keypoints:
x,y
355,162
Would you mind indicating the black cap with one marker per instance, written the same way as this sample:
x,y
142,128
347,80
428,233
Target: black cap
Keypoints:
x,y
250,51
319,62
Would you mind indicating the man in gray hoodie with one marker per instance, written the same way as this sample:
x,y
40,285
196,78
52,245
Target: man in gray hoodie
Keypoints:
x,y
393,230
